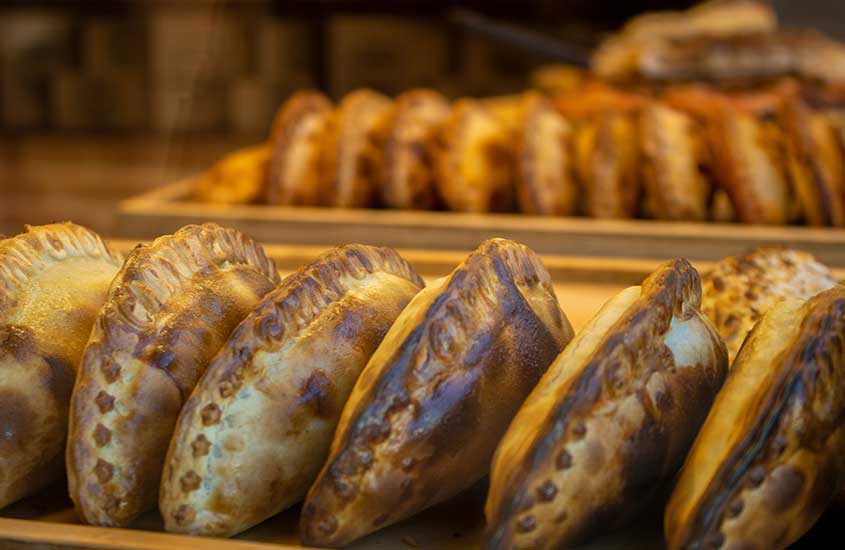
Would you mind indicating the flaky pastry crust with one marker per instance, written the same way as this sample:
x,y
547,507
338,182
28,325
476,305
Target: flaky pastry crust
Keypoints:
x,y
768,459
280,383
611,420
53,280
293,175
739,290
238,178
431,404
170,308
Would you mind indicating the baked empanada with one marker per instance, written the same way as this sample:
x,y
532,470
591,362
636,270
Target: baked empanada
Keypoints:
x,y
170,308
350,153
747,164
255,432
545,178
672,158
738,290
611,421
474,160
53,281
293,175
408,167
769,457
434,399
606,163
237,178
815,165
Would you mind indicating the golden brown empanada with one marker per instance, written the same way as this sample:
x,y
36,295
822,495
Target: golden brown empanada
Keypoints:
x,y
293,175
769,457
738,290
474,160
748,165
350,152
170,308
280,383
545,179
611,420
606,162
433,401
408,167
237,178
815,164
672,160
53,281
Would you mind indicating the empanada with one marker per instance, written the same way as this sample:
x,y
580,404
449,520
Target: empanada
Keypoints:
x,y
255,432
237,178
408,167
433,401
474,160
53,280
738,290
611,421
545,178
769,457
170,308
815,164
350,154
606,163
672,160
293,176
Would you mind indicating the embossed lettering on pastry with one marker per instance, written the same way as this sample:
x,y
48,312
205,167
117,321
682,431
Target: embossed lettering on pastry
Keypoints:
x,y
606,158
815,164
280,383
430,406
237,178
747,162
673,157
53,281
408,169
768,459
474,160
295,140
170,308
351,154
545,182
610,422
739,290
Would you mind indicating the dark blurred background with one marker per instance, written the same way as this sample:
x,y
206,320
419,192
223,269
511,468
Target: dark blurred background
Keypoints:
x,y
100,100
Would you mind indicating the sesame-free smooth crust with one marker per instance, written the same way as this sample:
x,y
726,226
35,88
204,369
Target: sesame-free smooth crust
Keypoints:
x,y
169,310
255,432
426,413
611,420
53,280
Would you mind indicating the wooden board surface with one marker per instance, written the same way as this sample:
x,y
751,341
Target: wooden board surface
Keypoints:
x,y
167,208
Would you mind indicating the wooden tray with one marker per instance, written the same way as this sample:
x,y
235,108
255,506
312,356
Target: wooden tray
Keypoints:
x,y
167,208
47,521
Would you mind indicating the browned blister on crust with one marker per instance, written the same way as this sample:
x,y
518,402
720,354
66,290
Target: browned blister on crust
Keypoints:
x,y
53,281
606,163
237,178
474,160
545,178
739,290
610,422
170,308
673,159
408,178
278,387
351,153
814,160
431,404
769,458
293,174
